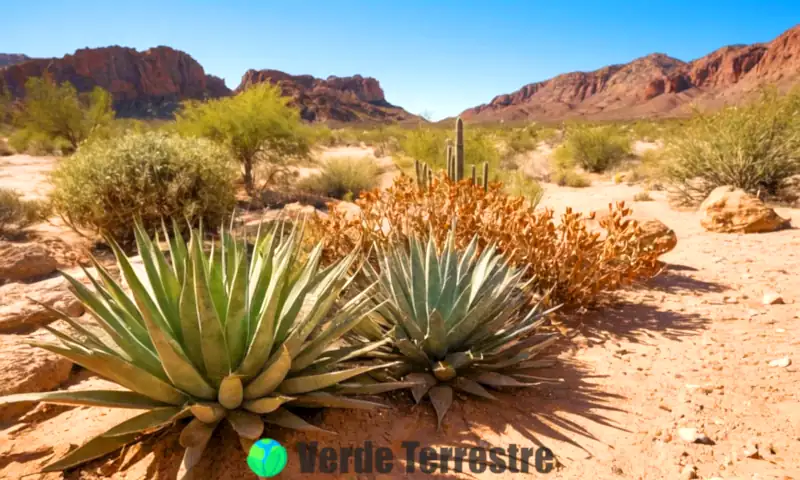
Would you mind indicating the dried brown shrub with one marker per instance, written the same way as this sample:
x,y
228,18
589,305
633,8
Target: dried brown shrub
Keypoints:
x,y
568,256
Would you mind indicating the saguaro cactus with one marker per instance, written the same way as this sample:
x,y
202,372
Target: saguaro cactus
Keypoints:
x,y
459,153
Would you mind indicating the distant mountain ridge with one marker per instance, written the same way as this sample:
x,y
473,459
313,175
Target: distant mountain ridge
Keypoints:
x,y
335,99
652,86
152,83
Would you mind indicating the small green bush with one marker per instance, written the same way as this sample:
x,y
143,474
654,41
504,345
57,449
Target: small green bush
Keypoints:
x,y
520,185
755,147
596,148
37,143
343,177
570,178
16,213
642,197
155,175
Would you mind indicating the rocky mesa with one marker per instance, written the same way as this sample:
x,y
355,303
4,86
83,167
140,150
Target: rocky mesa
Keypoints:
x,y
335,99
653,86
151,83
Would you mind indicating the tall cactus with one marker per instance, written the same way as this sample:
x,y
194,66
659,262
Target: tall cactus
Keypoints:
x,y
454,159
459,153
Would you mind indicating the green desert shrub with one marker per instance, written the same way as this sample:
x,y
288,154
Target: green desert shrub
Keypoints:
x,y
17,213
58,112
755,147
37,143
517,184
107,184
343,176
563,170
201,340
596,148
429,145
257,125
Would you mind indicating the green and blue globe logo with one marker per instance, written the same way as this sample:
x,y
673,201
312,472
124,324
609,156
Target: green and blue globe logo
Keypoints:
x,y
267,458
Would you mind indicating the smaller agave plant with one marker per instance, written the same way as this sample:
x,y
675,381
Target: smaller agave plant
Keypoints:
x,y
207,337
458,320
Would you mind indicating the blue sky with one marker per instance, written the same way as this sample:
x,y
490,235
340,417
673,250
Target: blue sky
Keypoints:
x,y
433,56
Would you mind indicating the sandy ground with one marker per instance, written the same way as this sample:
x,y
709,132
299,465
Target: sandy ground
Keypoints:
x,y
689,349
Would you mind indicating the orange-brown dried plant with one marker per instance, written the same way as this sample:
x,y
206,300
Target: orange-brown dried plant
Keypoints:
x,y
575,258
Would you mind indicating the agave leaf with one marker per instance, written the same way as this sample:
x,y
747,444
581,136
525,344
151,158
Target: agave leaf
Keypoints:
x,y
190,327
284,418
272,375
324,399
209,413
246,424
191,457
90,398
470,386
344,354
495,379
424,382
147,422
436,337
196,433
156,281
177,250
123,373
212,338
372,388
231,392
310,383
266,404
94,448
297,294
115,438
441,397
236,326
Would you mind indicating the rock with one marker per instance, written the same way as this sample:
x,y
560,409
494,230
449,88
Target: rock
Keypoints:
x,y
729,210
152,82
341,99
18,312
689,472
772,298
780,362
692,435
656,234
27,369
23,261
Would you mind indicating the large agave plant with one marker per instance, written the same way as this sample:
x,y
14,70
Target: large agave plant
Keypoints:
x,y
458,320
225,335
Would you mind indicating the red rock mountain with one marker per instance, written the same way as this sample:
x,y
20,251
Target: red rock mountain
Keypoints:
x,y
149,83
12,58
653,86
335,99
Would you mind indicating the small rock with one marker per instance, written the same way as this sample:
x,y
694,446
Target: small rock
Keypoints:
x,y
751,450
689,472
780,330
780,362
772,298
19,313
692,435
23,261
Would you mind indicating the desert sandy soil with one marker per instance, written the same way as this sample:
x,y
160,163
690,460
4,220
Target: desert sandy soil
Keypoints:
x,y
689,349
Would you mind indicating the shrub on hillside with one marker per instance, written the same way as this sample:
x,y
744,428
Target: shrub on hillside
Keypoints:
x,y
563,172
565,258
596,148
107,184
257,125
755,147
59,113
16,213
342,176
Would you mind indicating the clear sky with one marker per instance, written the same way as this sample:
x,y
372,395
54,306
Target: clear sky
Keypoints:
x,y
433,56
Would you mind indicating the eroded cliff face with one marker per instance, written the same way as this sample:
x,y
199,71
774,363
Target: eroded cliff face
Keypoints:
x,y
148,83
335,99
655,85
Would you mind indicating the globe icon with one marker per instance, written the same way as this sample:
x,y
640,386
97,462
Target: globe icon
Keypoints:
x,y
267,458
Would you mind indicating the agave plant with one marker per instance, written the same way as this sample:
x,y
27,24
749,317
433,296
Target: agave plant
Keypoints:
x,y
458,320
207,337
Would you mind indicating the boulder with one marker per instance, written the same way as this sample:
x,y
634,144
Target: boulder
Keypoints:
x,y
19,313
23,261
26,369
731,210
656,234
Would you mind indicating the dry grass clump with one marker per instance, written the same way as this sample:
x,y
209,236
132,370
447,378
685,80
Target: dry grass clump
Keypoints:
x,y
566,257
17,213
342,177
